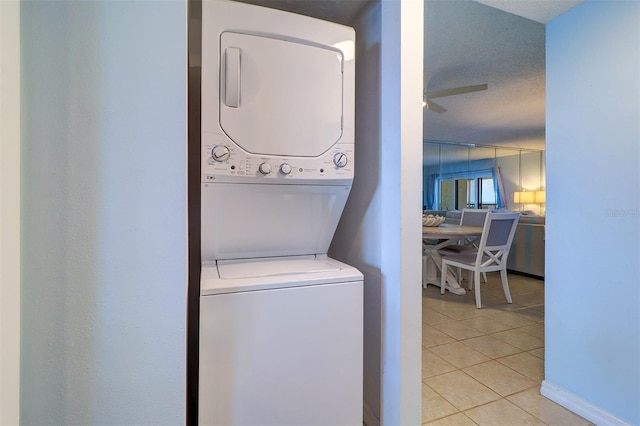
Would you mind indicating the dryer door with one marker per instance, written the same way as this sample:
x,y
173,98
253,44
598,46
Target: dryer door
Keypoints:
x,y
280,97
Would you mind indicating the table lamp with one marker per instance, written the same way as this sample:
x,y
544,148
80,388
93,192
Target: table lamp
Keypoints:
x,y
524,197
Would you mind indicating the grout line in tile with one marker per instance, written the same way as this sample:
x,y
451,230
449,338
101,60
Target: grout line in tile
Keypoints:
x,y
441,305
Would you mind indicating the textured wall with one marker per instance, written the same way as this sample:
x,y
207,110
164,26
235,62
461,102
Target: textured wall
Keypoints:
x,y
9,212
103,212
379,232
593,201
352,243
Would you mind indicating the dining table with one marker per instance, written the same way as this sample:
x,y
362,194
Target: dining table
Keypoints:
x,y
435,238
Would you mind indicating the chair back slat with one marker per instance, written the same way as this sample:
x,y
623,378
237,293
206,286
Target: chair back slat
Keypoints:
x,y
499,232
497,236
473,217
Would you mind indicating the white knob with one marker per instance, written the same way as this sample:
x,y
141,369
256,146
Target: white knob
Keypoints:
x,y
285,169
220,153
340,159
264,168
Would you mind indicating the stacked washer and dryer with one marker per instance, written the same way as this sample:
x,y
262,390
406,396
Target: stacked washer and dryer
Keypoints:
x,y
281,324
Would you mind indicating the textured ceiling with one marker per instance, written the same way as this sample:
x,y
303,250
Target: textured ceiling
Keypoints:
x,y
498,42
468,43
537,10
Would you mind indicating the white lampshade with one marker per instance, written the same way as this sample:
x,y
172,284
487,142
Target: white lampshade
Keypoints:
x,y
541,197
523,197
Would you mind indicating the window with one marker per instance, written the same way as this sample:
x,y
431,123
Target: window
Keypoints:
x,y
459,191
487,196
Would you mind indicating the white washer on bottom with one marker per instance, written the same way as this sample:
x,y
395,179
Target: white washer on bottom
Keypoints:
x,y
281,342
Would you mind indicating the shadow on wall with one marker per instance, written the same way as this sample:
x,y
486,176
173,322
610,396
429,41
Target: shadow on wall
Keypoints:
x,y
357,239
61,212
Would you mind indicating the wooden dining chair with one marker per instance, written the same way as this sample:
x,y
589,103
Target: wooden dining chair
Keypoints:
x,y
490,255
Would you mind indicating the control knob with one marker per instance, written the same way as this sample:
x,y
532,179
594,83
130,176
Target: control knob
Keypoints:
x,y
264,168
220,153
340,159
285,169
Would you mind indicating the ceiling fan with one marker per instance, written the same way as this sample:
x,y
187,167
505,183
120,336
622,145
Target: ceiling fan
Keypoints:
x,y
429,95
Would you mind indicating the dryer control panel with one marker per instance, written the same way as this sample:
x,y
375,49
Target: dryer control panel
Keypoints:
x,y
223,161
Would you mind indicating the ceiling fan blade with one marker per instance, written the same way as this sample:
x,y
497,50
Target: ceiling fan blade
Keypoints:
x,y
456,91
432,106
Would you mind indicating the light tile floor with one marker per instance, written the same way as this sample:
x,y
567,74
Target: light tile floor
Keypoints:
x,y
485,366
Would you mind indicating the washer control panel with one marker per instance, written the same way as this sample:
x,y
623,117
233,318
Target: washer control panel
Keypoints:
x,y
223,161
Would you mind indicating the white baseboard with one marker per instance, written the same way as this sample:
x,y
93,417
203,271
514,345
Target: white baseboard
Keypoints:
x,y
579,406
370,419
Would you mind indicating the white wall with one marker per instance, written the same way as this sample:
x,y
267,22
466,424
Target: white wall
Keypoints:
x,y
510,173
380,230
523,171
103,212
593,226
9,212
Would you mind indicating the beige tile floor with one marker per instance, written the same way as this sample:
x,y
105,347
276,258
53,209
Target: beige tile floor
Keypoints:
x,y
485,366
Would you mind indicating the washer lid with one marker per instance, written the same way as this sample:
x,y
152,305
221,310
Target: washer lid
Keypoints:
x,y
230,269
236,276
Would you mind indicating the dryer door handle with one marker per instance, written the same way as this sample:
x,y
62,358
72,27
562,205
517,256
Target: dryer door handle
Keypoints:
x,y
232,77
